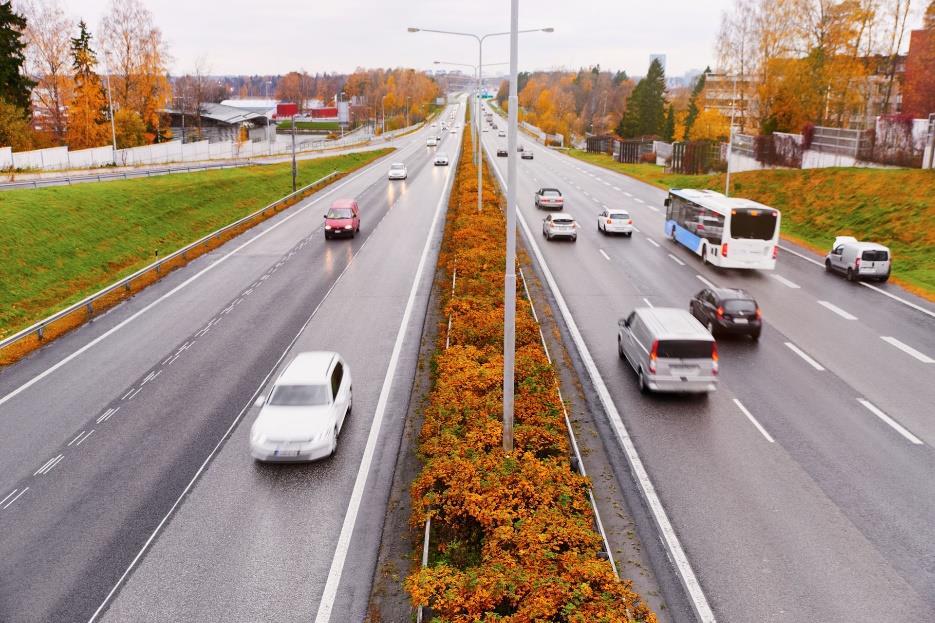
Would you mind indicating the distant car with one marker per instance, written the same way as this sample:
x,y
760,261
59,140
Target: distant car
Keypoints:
x,y
484,130
549,199
397,171
342,219
526,155
859,260
441,159
431,141
611,221
727,310
560,226
502,152
519,148
453,131
434,125
302,415
501,133
458,126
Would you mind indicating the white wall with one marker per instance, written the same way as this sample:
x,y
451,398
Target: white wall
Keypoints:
x,y
50,158
90,158
6,158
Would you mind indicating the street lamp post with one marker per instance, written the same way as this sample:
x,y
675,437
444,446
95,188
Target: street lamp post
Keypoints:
x,y
480,66
509,277
110,106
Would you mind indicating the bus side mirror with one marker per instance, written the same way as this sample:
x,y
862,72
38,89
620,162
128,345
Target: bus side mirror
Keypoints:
x,y
667,202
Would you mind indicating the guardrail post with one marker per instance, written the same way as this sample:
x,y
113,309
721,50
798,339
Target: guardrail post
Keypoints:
x,y
90,308
39,332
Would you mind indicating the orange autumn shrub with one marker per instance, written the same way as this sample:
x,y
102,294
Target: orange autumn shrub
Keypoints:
x,y
513,537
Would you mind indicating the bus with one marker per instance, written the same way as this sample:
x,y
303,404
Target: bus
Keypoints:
x,y
725,231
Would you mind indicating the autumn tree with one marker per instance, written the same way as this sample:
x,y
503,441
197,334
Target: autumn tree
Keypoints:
x,y
87,112
15,131
130,128
296,87
919,89
696,98
645,113
48,60
192,91
136,57
15,86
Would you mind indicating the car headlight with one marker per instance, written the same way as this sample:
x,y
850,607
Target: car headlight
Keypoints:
x,y
348,227
327,226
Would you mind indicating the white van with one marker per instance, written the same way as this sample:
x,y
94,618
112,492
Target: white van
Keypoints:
x,y
859,260
669,349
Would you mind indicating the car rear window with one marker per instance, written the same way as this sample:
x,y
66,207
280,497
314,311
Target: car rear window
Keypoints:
x,y
874,256
619,215
683,349
299,395
563,221
739,305
551,192
754,224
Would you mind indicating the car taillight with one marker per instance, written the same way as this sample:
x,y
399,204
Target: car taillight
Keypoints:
x,y
714,358
857,262
630,222
759,313
610,222
652,356
724,250
720,312
775,252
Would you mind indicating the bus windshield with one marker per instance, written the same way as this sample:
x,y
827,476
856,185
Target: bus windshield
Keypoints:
x,y
753,224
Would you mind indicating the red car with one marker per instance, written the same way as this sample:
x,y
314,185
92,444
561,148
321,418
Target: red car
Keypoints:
x,y
342,219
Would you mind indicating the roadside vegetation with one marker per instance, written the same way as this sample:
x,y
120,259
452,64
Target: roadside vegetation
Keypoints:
x,y
61,244
324,126
894,207
512,536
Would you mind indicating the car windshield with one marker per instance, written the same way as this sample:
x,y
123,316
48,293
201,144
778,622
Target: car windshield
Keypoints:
x,y
684,349
755,224
340,213
878,255
300,396
736,306
617,215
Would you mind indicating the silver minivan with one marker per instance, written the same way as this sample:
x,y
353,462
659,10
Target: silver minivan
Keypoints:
x,y
669,349
859,260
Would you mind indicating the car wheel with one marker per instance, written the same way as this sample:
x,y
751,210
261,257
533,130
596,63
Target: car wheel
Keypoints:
x,y
827,266
641,380
334,443
671,235
599,228
629,234
755,336
704,254
850,274
574,238
620,348
884,278
327,236
710,327
350,400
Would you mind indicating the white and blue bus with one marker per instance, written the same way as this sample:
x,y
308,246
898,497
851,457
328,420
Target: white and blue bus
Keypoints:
x,y
725,231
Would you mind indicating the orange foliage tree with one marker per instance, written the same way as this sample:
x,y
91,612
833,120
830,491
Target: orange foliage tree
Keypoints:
x,y
396,92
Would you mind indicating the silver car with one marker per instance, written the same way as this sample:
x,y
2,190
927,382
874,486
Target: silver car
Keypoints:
x,y
669,349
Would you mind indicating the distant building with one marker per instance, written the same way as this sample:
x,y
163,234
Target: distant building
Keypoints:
x,y
728,93
919,86
265,107
217,122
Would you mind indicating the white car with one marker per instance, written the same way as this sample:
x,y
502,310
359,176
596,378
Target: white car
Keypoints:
x,y
301,417
434,125
441,159
431,141
453,131
611,221
560,226
397,171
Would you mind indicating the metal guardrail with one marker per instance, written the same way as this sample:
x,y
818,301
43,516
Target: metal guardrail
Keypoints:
x,y
99,177
88,303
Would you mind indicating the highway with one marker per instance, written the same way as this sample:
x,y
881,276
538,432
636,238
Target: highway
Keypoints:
x,y
128,492
803,489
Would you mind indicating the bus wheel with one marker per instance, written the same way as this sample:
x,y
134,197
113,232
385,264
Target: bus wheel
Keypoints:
x,y
704,254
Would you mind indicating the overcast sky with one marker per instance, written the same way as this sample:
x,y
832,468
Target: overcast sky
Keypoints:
x,y
257,37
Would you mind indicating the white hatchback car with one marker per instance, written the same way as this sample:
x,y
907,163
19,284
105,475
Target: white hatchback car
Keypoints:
x,y
431,141
441,159
560,226
397,171
611,221
301,417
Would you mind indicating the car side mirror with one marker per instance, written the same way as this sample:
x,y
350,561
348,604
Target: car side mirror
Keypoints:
x,y
260,401
624,323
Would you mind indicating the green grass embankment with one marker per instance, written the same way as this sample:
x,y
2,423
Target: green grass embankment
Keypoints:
x,y
895,207
323,126
61,244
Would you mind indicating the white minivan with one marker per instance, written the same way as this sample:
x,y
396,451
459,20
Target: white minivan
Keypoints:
x,y
669,350
302,415
859,260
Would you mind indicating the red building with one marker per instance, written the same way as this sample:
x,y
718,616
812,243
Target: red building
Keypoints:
x,y
919,85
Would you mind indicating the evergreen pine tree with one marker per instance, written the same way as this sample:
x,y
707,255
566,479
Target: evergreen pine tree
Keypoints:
x,y
646,113
15,86
668,130
693,103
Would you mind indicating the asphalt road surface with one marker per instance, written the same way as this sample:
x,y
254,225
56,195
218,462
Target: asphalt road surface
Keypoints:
x,y
803,489
128,492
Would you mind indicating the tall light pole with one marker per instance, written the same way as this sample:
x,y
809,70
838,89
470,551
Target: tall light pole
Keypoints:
x,y
383,113
730,138
480,67
110,106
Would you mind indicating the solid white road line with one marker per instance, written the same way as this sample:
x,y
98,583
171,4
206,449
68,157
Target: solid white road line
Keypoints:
x,y
784,281
840,312
670,540
890,421
652,242
705,281
752,419
606,257
676,260
897,298
350,518
18,495
907,349
9,495
646,300
181,286
798,351
802,255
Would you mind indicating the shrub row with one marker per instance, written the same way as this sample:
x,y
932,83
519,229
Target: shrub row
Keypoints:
x,y
513,536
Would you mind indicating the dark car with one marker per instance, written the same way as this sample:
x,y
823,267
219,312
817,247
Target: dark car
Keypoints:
x,y
502,153
728,311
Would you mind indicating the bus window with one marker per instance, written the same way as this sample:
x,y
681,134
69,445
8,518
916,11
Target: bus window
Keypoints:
x,y
753,224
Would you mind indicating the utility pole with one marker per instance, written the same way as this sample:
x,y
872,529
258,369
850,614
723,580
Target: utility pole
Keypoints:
x,y
730,139
293,155
110,105
509,273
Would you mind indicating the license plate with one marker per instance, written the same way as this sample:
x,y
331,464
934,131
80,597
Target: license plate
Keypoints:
x,y
740,321
285,452
683,369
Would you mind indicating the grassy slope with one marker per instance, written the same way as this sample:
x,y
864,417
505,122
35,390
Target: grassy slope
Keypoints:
x,y
895,207
61,244
310,125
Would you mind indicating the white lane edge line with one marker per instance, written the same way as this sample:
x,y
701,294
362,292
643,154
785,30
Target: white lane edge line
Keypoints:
x,y
801,255
898,299
8,496
330,592
784,281
752,419
652,242
676,260
705,281
8,504
798,351
606,257
840,312
184,284
907,349
890,421
646,300
696,596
